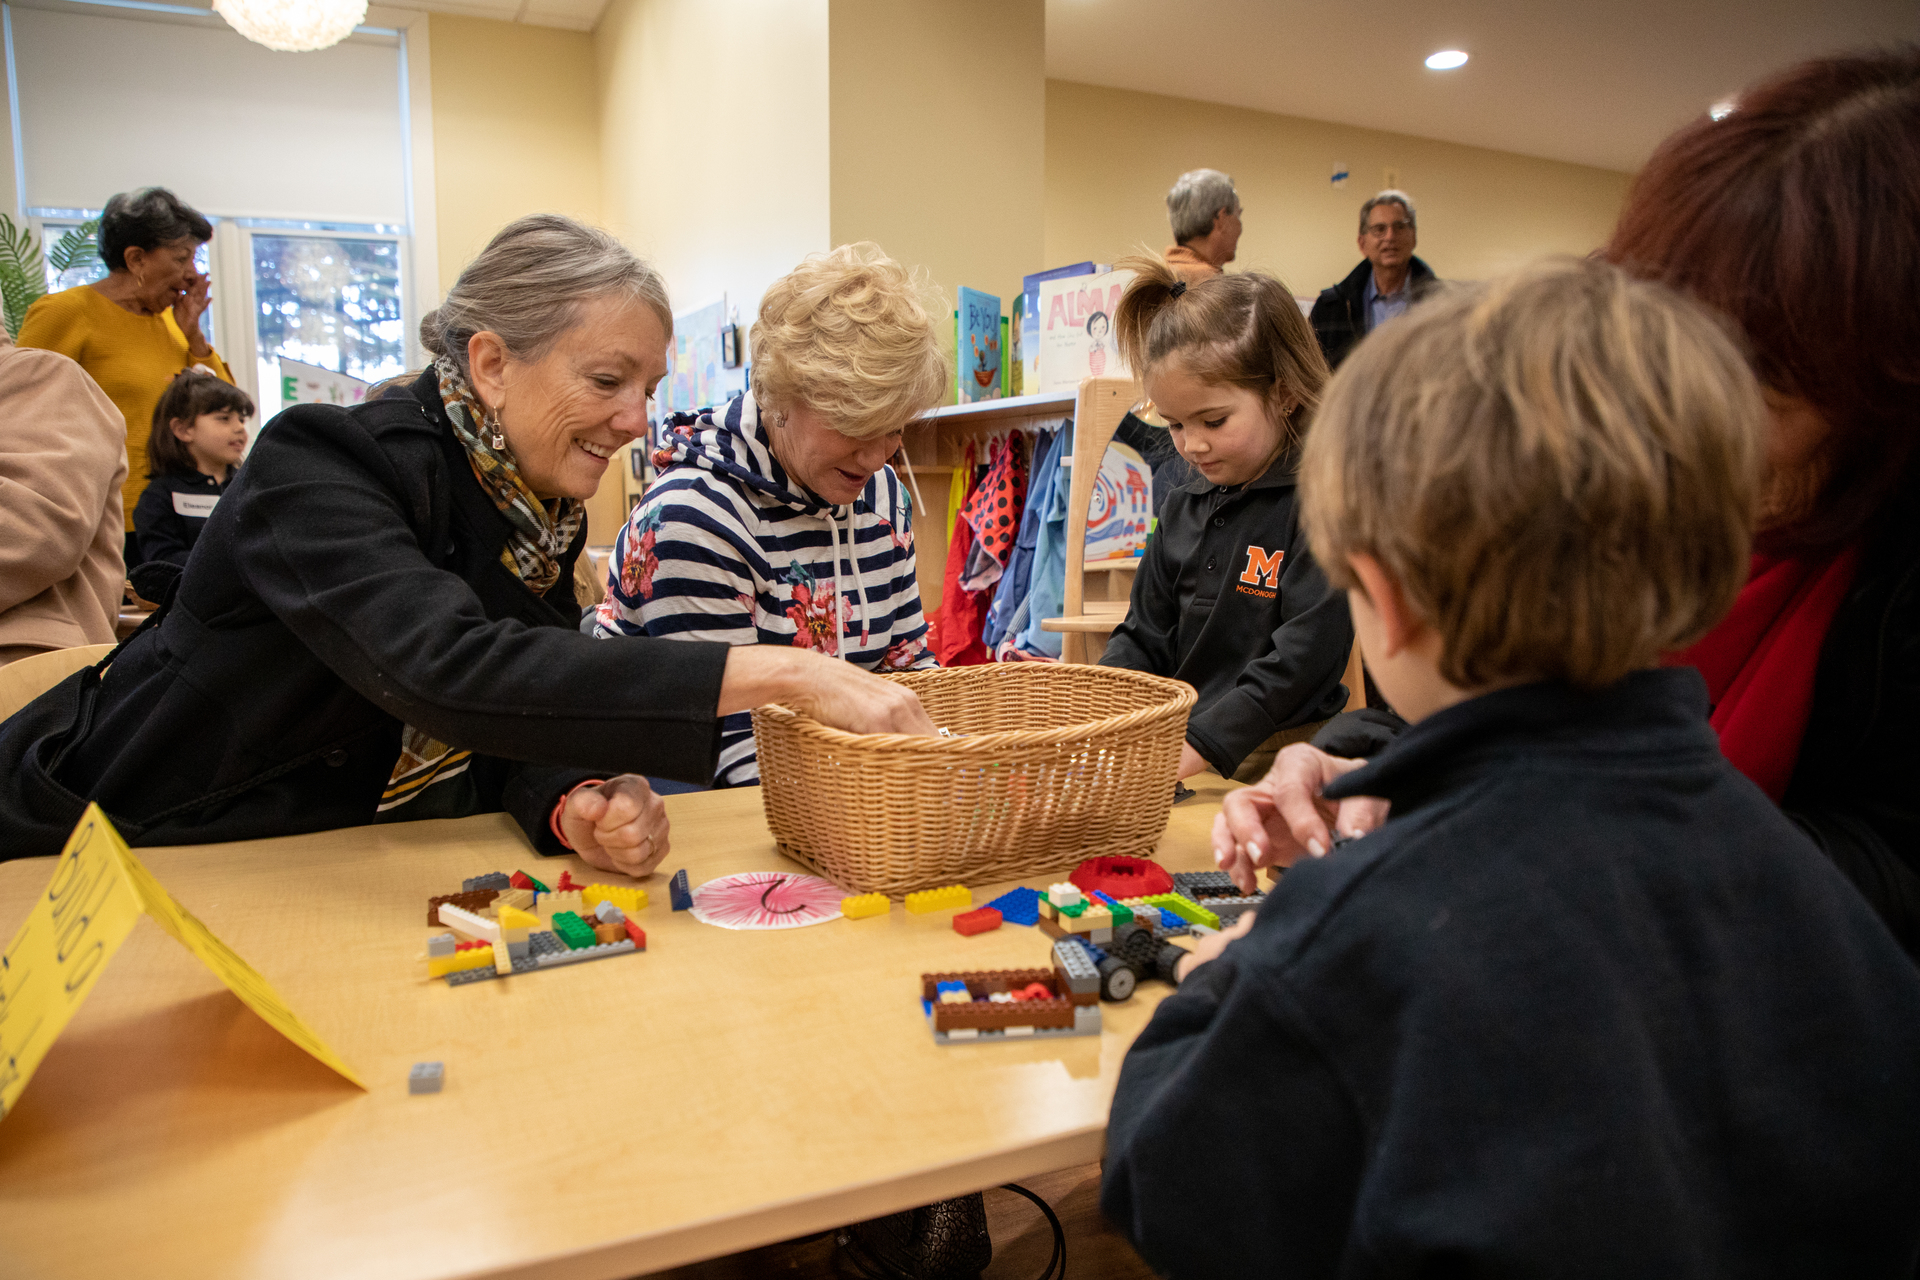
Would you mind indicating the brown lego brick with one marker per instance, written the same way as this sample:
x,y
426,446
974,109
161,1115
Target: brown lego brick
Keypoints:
x,y
476,900
993,1016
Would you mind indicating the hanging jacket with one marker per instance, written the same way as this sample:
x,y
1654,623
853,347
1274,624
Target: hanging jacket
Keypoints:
x,y
726,547
1230,600
1011,591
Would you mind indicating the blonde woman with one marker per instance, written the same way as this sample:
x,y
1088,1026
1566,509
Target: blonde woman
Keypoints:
x,y
775,519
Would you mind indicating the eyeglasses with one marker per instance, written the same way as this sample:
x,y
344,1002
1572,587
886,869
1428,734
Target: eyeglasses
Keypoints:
x,y
1388,228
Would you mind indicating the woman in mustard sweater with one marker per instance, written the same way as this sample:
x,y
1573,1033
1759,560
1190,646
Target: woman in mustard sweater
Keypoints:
x,y
133,331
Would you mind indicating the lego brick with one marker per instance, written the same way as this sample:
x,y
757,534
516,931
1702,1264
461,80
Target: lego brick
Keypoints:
x,y
606,913
862,906
475,901
969,923
544,943
627,899
1019,906
1064,894
1178,929
982,1014
426,1077
635,934
1201,885
464,976
491,880
565,883
1231,909
1086,1023
1070,910
951,992
478,956
1185,908
596,952
677,890
519,949
468,925
521,880
1078,976
609,932
514,918
572,930
1144,913
1121,876
441,944
1121,913
1091,920
519,899
572,902
942,899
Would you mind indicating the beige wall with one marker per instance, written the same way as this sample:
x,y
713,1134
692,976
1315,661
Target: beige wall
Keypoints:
x,y
516,130
713,134
938,150
1113,153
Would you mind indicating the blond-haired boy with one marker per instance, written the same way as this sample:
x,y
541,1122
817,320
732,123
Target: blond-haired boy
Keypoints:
x,y
1587,1004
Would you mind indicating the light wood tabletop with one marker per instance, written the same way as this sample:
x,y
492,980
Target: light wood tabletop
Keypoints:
x,y
722,1090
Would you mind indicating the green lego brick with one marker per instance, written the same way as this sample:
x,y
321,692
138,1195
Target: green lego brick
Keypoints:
x,y
1077,909
1184,907
1121,914
572,930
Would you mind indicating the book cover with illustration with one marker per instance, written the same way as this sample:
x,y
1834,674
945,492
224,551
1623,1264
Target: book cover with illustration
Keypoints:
x,y
1075,324
1030,308
977,339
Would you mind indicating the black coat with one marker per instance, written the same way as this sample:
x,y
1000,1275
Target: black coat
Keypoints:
x,y
1588,1005
1263,640
1854,789
349,583
1339,315
172,511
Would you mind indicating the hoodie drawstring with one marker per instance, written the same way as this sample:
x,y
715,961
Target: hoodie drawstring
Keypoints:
x,y
859,578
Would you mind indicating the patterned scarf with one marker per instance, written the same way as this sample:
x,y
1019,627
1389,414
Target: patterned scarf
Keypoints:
x,y
541,532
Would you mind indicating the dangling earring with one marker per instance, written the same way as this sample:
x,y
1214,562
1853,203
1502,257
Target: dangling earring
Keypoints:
x,y
497,440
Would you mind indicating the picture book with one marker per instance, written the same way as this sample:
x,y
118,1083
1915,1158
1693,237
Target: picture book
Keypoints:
x,y
977,335
1016,364
1075,324
1028,308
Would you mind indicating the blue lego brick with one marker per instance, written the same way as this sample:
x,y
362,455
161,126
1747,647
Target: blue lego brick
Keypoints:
x,y
1093,952
491,880
677,889
1019,906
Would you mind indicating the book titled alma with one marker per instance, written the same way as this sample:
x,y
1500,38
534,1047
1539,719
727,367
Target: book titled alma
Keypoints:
x,y
1075,323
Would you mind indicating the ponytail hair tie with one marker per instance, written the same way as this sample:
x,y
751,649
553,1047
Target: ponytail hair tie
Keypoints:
x,y
1179,287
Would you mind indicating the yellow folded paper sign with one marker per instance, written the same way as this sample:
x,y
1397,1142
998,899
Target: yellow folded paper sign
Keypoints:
x,y
99,892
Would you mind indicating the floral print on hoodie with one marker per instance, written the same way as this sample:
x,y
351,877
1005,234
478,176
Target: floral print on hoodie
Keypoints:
x,y
726,547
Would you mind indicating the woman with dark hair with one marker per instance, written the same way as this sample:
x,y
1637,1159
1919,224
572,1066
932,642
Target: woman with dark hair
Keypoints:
x,y
199,435
1796,216
135,329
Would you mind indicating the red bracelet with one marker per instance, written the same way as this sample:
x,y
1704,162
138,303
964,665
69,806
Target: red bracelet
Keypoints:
x,y
559,807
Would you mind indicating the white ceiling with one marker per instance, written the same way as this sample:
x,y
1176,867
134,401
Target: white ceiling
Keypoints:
x,y
1598,82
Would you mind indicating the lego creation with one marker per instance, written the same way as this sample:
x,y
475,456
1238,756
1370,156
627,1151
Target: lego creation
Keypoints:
x,y
1216,892
766,900
953,895
1133,955
495,927
865,905
969,923
1122,877
997,1005
426,1077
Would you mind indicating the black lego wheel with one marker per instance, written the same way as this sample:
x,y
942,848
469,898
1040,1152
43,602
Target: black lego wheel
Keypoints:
x,y
1117,981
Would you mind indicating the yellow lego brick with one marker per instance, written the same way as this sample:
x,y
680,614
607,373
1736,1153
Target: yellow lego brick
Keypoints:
x,y
627,899
953,895
1089,920
864,905
471,958
514,918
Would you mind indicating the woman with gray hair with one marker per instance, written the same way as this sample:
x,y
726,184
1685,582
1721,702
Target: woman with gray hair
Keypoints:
x,y
378,622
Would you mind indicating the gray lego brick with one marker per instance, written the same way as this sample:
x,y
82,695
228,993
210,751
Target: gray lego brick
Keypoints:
x,y
1198,885
461,977
1015,1036
599,952
1077,967
426,1077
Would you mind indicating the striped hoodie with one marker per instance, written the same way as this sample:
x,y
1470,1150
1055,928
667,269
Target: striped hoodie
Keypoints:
x,y
725,547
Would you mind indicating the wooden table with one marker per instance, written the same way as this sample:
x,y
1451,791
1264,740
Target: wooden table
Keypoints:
x,y
723,1090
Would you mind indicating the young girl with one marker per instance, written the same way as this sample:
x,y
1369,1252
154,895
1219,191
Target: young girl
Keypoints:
x,y
199,433
1228,598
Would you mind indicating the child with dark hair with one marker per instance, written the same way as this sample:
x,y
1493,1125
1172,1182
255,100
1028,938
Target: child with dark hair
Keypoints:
x,y
1228,597
1587,1004
199,433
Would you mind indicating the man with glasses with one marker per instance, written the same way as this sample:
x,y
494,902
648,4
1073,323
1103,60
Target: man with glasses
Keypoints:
x,y
1381,287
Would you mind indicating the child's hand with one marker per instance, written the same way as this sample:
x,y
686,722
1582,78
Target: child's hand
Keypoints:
x,y
619,825
1212,945
1283,816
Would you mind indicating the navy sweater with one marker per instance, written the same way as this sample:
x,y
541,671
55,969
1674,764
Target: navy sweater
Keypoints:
x,y
1588,1005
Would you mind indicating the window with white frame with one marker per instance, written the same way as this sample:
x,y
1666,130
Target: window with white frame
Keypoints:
x,y
300,161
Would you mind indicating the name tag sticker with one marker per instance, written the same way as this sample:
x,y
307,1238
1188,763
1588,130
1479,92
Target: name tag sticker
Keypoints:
x,y
198,505
98,893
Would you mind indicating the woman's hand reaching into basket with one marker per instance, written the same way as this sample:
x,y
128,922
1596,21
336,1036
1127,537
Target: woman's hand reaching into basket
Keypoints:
x,y
833,692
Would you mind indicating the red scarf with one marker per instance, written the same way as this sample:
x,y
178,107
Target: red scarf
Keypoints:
x,y
1759,663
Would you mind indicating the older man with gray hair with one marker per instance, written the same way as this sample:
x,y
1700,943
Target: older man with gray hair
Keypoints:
x,y
1382,286
1205,212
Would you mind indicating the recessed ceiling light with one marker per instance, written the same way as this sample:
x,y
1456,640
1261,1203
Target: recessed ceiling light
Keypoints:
x,y
1446,60
1722,109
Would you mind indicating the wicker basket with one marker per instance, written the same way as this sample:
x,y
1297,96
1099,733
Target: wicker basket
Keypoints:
x,y
1057,763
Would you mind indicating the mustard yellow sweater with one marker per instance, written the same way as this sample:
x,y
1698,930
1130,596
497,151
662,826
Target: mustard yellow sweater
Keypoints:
x,y
133,358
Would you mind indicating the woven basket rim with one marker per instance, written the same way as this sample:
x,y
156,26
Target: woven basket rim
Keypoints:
x,y
1180,696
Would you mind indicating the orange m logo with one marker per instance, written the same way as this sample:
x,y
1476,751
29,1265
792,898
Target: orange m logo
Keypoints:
x,y
1263,567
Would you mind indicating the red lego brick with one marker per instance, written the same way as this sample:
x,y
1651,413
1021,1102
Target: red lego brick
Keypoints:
x,y
566,883
638,935
1122,877
972,922
520,880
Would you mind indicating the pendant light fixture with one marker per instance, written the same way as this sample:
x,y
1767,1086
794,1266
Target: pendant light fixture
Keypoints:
x,y
293,26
